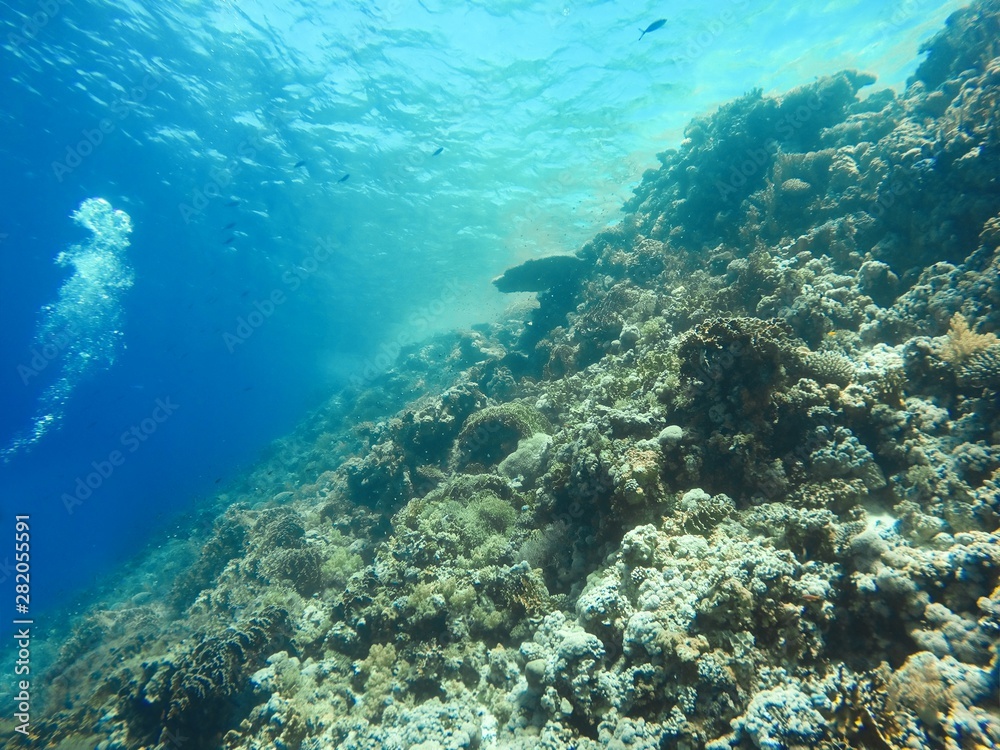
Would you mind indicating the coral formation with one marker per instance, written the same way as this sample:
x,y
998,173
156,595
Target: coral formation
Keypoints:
x,y
541,274
736,486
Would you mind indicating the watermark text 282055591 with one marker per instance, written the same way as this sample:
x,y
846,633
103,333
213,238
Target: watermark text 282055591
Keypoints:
x,y
131,440
22,637
93,137
22,564
36,20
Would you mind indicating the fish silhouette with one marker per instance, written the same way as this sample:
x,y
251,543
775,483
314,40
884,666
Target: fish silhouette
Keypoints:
x,y
344,178
652,27
299,164
440,149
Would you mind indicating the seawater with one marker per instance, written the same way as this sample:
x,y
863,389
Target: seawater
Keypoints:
x,y
216,214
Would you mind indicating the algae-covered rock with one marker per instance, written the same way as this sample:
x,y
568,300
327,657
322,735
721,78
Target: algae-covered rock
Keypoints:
x,y
492,433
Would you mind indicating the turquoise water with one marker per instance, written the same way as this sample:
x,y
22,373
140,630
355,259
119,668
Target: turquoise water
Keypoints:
x,y
372,164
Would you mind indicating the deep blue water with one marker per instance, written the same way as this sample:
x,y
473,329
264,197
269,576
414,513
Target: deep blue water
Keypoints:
x,y
225,132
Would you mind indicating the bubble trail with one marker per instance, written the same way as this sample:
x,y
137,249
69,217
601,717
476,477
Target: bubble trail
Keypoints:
x,y
84,323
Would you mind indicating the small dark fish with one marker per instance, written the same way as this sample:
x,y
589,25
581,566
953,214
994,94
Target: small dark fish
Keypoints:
x,y
652,27
344,178
440,149
218,480
233,202
248,388
228,240
230,225
299,164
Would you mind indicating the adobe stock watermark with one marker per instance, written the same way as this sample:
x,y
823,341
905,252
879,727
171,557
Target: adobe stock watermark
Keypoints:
x,y
774,486
706,38
43,354
220,178
247,325
418,324
887,195
710,369
416,160
6,570
553,190
93,137
45,11
756,159
388,13
131,440
556,17
903,12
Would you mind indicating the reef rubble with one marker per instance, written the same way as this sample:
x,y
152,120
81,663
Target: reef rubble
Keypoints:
x,y
738,486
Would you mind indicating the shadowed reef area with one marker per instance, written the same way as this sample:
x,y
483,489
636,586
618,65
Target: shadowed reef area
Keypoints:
x,y
735,486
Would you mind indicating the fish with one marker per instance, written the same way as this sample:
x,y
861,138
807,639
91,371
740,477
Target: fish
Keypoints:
x,y
299,164
652,27
233,202
440,149
230,225
228,240
344,178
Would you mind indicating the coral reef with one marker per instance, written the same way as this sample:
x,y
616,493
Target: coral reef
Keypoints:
x,y
736,486
541,274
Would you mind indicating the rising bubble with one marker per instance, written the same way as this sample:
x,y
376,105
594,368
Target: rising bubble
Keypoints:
x,y
79,334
